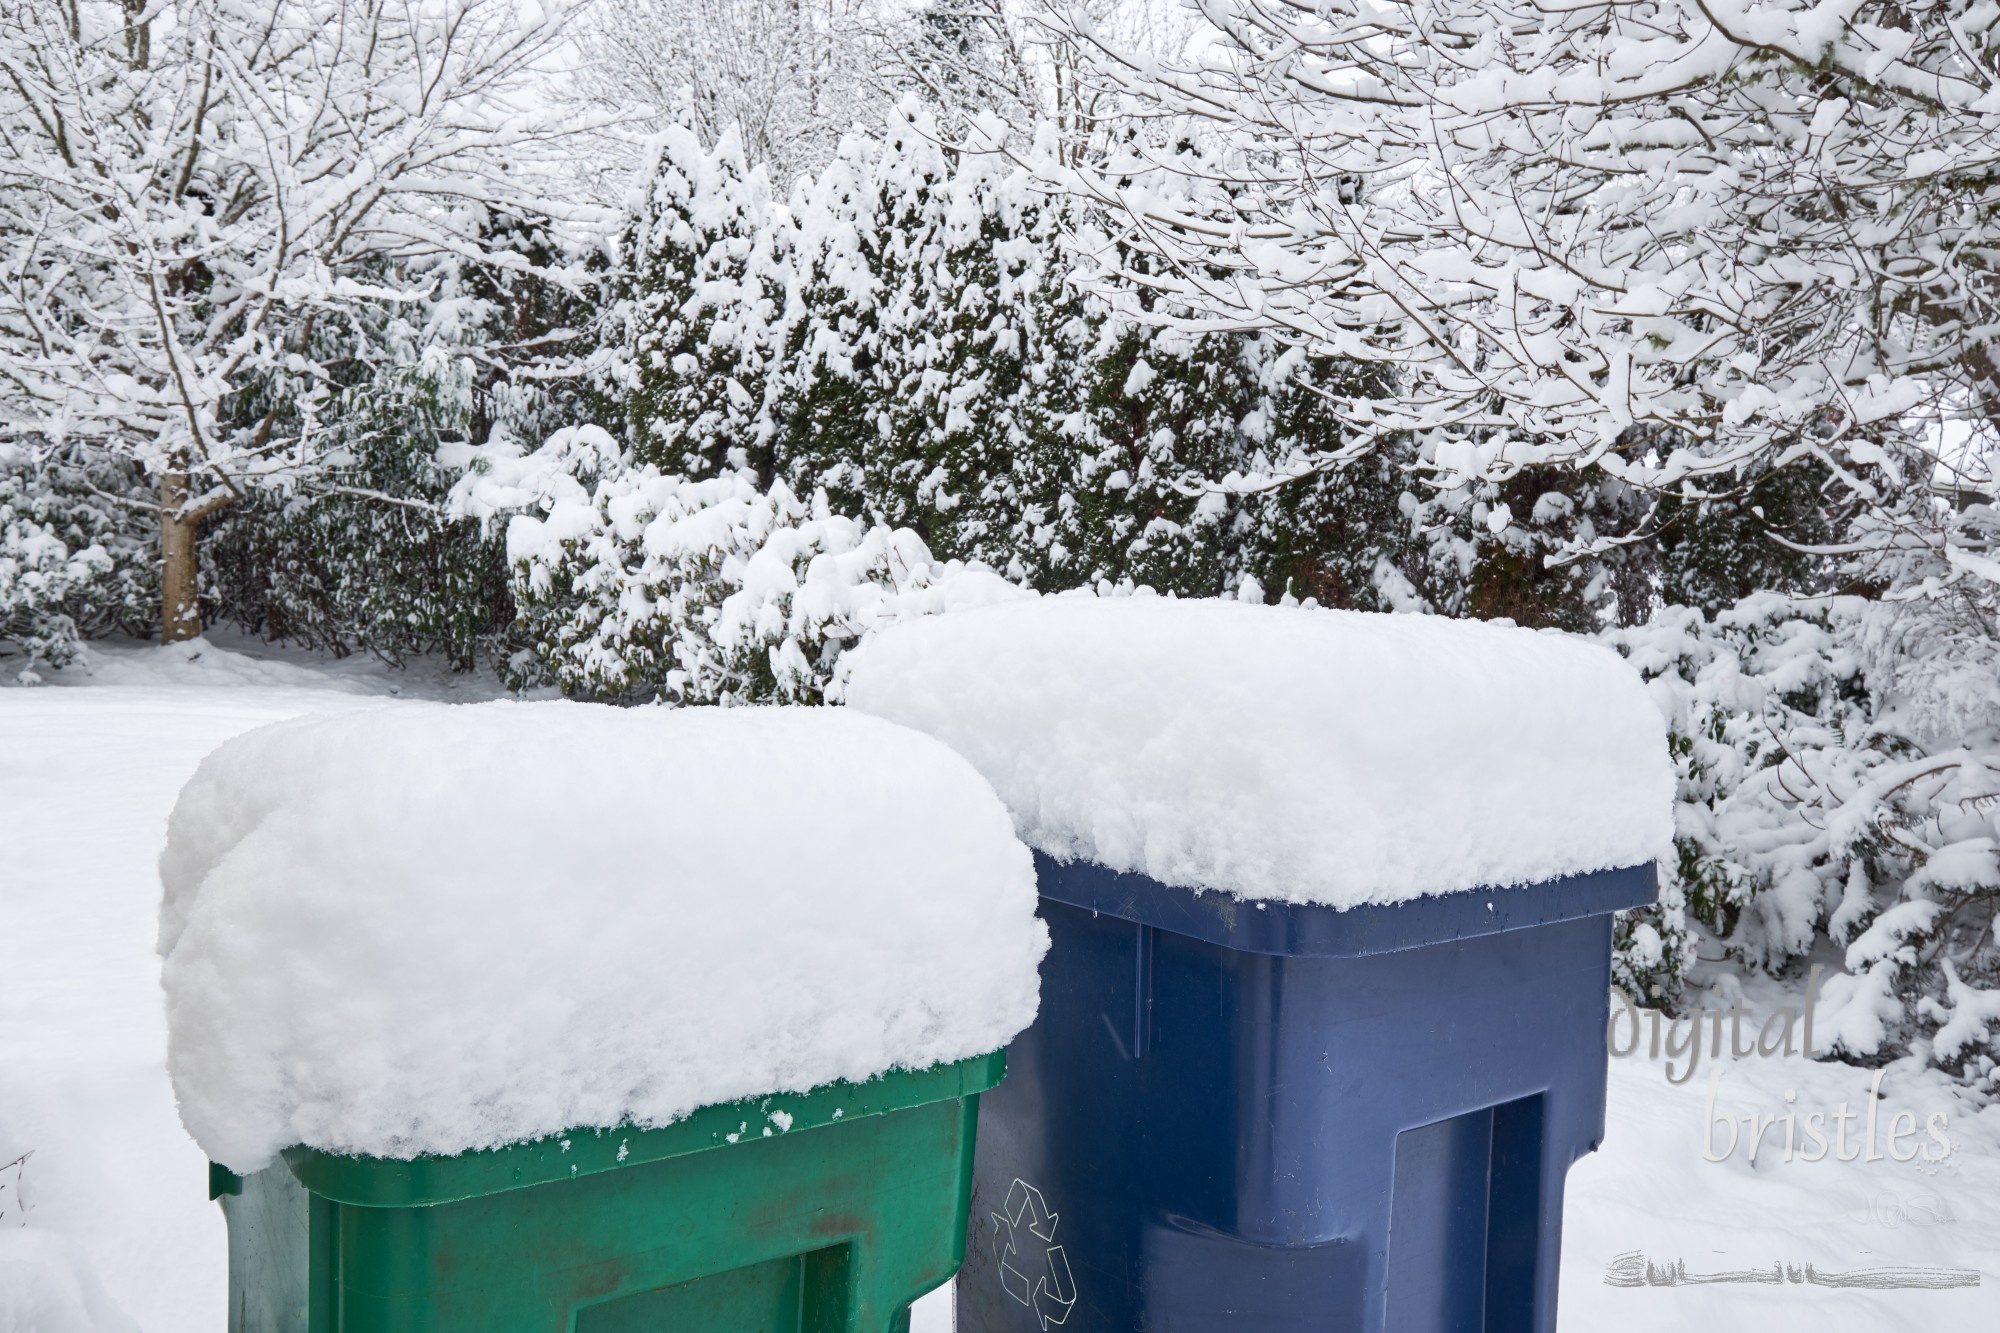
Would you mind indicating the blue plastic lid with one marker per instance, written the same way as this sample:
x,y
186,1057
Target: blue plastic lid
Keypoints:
x,y
1298,930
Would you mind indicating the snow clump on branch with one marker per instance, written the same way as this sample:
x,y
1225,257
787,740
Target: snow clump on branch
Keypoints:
x,y
648,584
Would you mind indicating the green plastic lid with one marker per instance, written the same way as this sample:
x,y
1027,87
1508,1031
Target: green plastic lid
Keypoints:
x,y
381,1182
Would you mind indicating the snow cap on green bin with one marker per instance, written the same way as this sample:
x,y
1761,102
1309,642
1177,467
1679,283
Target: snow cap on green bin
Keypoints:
x,y
1288,753
426,929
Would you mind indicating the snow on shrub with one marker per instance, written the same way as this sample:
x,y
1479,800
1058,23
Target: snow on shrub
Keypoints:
x,y
427,929
635,583
1289,753
1839,773
70,562
39,575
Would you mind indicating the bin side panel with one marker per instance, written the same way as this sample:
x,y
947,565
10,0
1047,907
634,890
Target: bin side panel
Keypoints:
x,y
1376,1046
867,1215
1366,1048
1184,1118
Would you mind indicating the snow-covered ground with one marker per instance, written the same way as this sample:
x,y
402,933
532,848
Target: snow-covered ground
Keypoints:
x,y
114,1192
1654,1192
105,1224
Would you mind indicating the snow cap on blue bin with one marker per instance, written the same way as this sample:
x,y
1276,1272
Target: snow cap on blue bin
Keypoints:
x,y
1288,754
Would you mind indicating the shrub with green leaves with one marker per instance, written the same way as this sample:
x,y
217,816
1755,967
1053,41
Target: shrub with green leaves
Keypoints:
x,y
635,585
77,557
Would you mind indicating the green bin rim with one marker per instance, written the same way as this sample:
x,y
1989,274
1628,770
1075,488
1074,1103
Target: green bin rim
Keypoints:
x,y
382,1182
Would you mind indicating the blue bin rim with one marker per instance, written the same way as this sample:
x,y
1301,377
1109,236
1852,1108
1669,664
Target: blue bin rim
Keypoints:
x,y
1308,930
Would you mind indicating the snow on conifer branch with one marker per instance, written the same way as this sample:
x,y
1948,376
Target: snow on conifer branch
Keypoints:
x,y
638,584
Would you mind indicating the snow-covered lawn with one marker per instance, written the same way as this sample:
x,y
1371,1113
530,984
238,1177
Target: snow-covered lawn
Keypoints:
x,y
114,1192
1651,1191
106,1224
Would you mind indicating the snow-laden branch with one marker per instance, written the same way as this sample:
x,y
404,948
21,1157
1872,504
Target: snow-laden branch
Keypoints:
x,y
177,228
1664,238
203,203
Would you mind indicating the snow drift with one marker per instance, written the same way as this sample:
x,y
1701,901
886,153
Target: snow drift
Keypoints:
x,y
427,929
1288,753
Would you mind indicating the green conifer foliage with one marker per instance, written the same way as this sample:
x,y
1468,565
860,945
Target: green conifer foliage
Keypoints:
x,y
1051,419
706,257
1165,418
1378,534
830,395
350,569
1715,552
372,561
77,558
1342,536
955,349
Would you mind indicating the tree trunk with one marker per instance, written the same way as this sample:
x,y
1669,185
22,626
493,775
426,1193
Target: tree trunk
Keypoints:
x,y
180,606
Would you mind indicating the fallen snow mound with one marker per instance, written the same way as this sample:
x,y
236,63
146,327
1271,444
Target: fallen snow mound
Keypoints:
x,y
1290,754
426,929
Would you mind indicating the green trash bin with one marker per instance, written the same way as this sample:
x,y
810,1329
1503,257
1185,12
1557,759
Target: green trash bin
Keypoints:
x,y
822,1212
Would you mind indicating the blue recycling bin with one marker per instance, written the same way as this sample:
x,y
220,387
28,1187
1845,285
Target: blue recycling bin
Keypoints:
x,y
1264,1117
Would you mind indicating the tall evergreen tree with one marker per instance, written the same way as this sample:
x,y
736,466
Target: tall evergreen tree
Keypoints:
x,y
958,274
829,392
707,261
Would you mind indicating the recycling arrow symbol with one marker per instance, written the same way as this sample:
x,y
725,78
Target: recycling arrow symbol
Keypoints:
x,y
1052,1292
